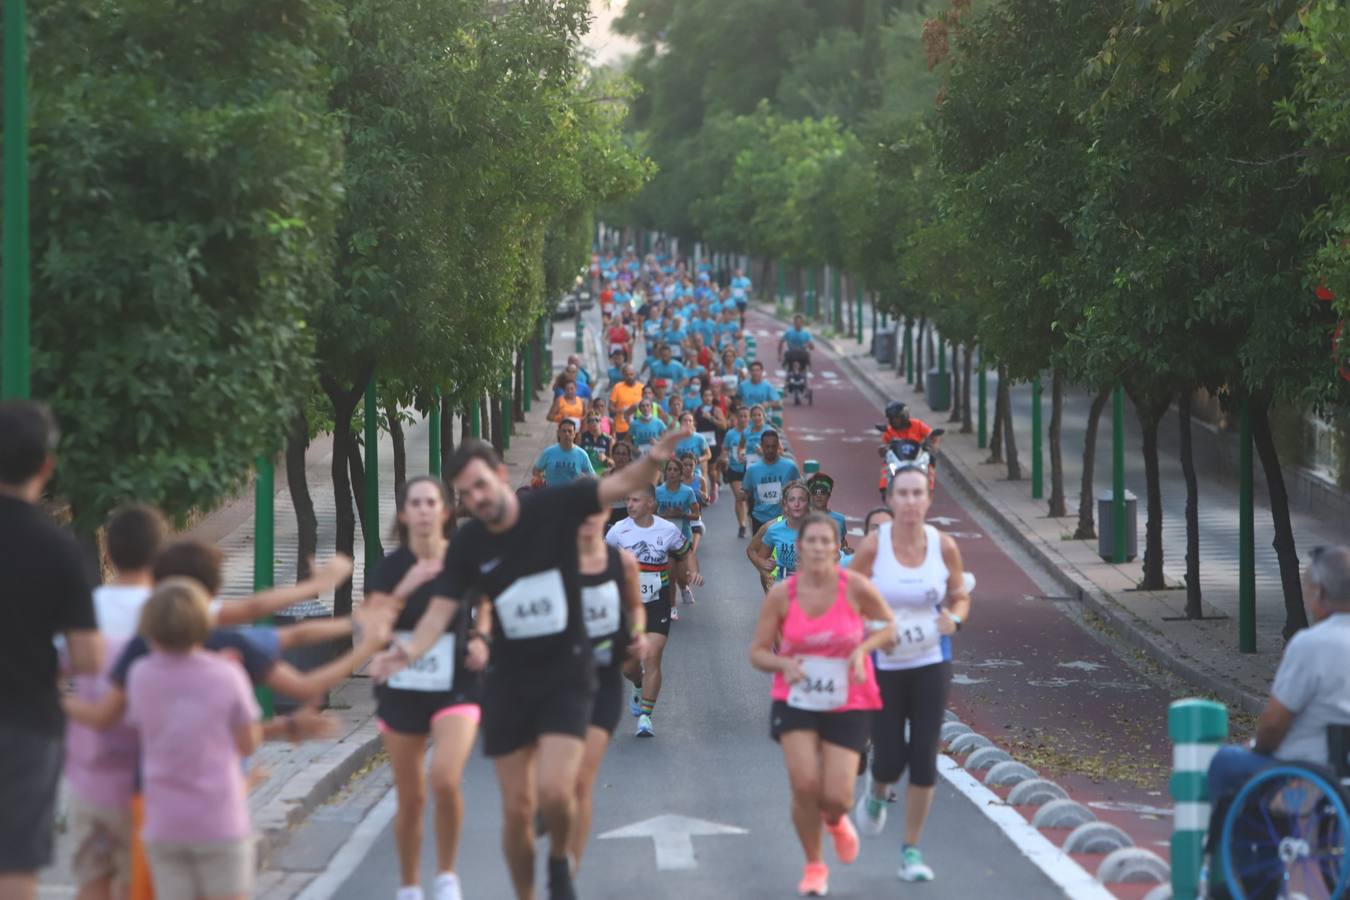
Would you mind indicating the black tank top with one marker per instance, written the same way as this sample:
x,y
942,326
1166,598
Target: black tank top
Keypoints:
x,y
602,601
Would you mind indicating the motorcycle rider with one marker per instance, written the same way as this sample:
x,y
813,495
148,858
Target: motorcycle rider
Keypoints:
x,y
900,426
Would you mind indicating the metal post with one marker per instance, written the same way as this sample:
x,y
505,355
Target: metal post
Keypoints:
x,y
1119,548
264,549
782,282
942,356
874,318
434,438
838,322
581,329
476,418
858,319
527,390
983,432
909,352
1037,475
505,413
1198,728
14,381
1246,537
811,292
374,552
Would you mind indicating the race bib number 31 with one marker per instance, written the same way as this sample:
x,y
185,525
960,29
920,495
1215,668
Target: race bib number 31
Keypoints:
x,y
432,671
533,606
650,583
824,686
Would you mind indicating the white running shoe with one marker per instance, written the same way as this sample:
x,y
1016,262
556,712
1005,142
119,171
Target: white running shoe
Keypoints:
x,y
912,866
687,596
870,812
446,887
412,892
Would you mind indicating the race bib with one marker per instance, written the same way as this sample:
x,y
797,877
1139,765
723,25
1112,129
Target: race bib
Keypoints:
x,y
533,606
730,381
769,493
601,607
738,293
709,436
432,671
752,459
824,686
916,635
650,584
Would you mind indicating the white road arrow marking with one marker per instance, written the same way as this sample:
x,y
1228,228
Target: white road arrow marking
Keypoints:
x,y
673,836
1082,664
959,678
944,521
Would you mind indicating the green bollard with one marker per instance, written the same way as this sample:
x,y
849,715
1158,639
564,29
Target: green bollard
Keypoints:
x,y
1119,538
581,330
983,433
858,319
504,414
909,352
1197,729
264,551
810,467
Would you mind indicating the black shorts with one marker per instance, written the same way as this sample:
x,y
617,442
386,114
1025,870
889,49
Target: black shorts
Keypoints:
x,y
731,476
412,712
30,770
850,729
518,707
757,524
658,613
608,705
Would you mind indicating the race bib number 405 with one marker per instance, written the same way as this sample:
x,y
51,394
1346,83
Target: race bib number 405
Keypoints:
x,y
824,686
601,604
432,671
650,584
533,606
916,635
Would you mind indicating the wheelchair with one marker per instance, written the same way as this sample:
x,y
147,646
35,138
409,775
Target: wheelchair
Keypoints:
x,y
1284,833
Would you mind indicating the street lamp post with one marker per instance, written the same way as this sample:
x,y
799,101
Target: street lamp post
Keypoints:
x,y
14,383
264,549
1119,547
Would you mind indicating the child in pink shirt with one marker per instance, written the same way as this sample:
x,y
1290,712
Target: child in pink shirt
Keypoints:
x,y
197,719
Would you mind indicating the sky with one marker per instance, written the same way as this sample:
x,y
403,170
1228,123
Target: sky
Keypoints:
x,y
607,46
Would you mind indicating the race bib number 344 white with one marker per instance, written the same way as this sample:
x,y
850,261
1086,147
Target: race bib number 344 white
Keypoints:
x,y
824,685
533,606
432,671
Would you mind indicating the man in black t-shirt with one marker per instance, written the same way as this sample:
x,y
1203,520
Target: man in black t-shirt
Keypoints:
x,y
43,593
521,555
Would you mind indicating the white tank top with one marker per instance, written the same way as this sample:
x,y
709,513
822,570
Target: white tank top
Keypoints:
x,y
913,596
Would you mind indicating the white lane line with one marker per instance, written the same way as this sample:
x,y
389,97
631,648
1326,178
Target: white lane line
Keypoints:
x,y
1057,865
353,850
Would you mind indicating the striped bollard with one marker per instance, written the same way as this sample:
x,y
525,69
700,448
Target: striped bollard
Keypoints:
x,y
1198,728
810,467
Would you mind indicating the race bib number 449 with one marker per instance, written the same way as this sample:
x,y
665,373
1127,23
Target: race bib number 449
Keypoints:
x,y
533,606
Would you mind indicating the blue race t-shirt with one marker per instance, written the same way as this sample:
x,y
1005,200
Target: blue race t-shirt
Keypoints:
x,y
750,393
564,466
695,444
740,287
797,340
842,523
764,483
681,500
670,371
645,431
781,538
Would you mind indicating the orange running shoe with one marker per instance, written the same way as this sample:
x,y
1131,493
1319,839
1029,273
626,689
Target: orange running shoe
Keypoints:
x,y
845,839
815,880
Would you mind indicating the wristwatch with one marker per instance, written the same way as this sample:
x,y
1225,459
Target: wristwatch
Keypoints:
x,y
955,618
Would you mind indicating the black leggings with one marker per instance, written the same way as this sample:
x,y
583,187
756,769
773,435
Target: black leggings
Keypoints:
x,y
917,696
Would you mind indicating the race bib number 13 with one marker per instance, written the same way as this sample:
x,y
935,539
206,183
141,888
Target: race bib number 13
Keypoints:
x,y
533,606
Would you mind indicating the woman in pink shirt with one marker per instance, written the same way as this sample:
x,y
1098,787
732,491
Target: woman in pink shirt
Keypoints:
x,y
824,688
197,719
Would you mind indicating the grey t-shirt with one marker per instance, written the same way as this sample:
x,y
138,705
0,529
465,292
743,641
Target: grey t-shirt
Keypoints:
x,y
1313,682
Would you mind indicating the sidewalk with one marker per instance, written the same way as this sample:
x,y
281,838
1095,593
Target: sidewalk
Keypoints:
x,y
302,777
1203,652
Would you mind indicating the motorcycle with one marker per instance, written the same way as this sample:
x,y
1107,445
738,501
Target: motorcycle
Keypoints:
x,y
904,451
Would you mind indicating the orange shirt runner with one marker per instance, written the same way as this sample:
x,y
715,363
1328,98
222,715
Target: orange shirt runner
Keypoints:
x,y
620,398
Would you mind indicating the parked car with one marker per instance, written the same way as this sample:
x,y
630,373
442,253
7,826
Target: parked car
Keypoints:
x,y
566,308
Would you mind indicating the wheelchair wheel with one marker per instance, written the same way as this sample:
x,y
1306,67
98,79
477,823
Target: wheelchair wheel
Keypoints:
x,y
1284,837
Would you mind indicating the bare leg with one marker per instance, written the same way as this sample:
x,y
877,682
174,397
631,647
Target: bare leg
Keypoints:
x,y
515,776
559,762
801,751
453,741
839,773
597,741
18,886
405,759
918,801
651,667
102,889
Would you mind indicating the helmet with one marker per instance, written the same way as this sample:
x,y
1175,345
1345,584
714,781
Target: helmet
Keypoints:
x,y
896,408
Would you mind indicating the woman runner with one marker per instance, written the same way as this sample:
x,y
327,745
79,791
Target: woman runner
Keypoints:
x,y
437,697
824,689
678,503
915,567
773,549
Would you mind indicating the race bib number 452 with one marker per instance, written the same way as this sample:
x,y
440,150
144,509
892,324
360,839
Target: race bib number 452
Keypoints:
x,y
533,606
769,492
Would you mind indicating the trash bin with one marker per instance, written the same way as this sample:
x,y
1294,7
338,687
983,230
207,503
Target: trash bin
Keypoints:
x,y
1106,526
310,656
883,347
938,389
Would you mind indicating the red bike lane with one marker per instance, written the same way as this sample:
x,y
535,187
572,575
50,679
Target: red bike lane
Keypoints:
x,y
1027,676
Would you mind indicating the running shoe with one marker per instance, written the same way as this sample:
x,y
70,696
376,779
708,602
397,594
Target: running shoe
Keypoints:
x,y
635,704
845,840
645,728
912,867
815,880
687,596
870,812
446,887
674,614
740,532
560,879
412,892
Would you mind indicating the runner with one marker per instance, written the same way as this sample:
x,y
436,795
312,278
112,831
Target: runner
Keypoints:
x,y
568,406
677,502
437,699
646,428
915,567
563,462
740,291
540,685
764,481
773,548
733,465
871,522
623,400
595,441
612,596
659,546
757,391
696,445
812,634
621,455
821,487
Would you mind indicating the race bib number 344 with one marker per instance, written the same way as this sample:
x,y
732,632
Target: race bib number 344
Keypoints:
x,y
824,685
533,606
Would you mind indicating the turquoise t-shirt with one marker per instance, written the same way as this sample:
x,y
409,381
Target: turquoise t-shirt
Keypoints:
x,y
695,444
645,431
681,500
764,483
750,393
564,466
740,287
671,371
797,340
782,539
731,441
842,523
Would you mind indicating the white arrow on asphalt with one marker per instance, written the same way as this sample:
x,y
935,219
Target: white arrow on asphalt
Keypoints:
x,y
673,836
944,521
959,678
1082,664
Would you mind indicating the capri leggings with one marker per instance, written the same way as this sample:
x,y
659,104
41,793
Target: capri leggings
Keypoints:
x,y
917,696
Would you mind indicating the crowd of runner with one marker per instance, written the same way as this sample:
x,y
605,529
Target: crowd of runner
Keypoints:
x,y
482,620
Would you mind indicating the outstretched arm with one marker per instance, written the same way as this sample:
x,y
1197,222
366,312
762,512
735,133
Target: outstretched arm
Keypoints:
x,y
259,606
642,472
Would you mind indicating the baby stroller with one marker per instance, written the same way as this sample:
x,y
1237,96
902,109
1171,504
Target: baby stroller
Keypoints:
x,y
797,385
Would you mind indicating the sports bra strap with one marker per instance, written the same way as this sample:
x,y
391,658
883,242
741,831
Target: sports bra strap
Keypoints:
x,y
792,590
843,585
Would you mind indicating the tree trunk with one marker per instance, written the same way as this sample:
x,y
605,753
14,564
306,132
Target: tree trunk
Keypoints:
x,y
1087,495
344,402
1009,434
400,443
1058,509
466,423
956,384
1290,578
918,356
1149,417
447,434
966,374
297,483
1000,410
1193,610
518,388
492,414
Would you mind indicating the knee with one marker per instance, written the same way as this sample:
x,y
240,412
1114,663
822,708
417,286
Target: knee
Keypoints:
x,y
806,787
834,805
556,794
411,805
518,810
445,788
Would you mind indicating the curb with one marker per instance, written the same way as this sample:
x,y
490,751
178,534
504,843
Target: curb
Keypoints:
x,y
1130,628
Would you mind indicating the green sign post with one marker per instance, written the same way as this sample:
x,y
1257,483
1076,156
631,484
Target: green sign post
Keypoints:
x,y
434,438
264,549
1119,547
374,552
982,434
1037,474
14,331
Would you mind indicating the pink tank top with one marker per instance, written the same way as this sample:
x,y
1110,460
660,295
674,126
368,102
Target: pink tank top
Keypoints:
x,y
834,634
